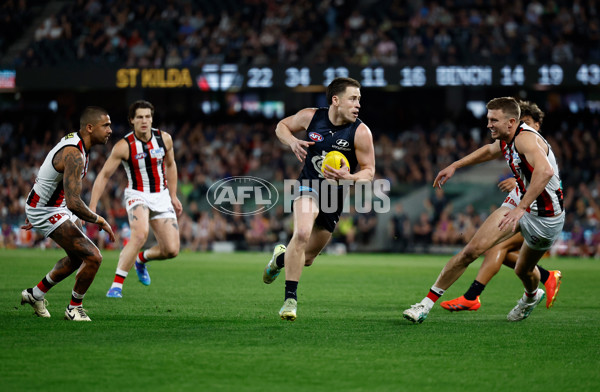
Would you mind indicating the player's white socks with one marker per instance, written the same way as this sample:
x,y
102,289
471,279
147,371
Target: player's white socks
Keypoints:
x,y
434,294
120,276
42,288
428,303
529,296
141,257
76,299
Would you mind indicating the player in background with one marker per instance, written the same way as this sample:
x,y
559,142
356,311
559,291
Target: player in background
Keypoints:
x,y
54,206
334,128
150,197
539,214
507,252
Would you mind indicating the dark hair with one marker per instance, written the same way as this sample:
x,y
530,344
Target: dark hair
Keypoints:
x,y
338,86
141,104
531,109
91,115
508,106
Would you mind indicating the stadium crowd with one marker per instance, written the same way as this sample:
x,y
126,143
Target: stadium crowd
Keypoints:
x,y
179,33
15,16
209,151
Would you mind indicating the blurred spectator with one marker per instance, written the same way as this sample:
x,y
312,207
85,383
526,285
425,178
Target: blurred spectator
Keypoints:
x,y
346,231
365,227
400,229
422,230
8,238
201,232
438,201
236,232
257,235
444,232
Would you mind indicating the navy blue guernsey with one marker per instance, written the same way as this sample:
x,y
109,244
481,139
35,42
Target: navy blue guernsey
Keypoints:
x,y
328,137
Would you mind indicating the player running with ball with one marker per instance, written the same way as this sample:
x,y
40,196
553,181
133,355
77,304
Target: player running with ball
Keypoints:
x,y
334,128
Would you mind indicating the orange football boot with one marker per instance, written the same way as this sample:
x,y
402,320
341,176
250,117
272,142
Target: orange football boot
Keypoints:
x,y
461,303
552,286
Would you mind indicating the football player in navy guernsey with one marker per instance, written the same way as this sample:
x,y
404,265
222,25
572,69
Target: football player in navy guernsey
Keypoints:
x,y
150,197
334,128
54,206
538,214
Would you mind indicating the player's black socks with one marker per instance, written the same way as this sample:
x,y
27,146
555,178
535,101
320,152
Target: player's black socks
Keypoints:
x,y
475,290
544,275
280,259
290,289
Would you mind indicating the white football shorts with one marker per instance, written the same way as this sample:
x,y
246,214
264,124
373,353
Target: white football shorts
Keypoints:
x,y
512,200
159,204
47,219
540,232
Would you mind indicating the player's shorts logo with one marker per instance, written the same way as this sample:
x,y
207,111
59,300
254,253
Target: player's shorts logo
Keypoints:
x,y
242,195
314,136
132,201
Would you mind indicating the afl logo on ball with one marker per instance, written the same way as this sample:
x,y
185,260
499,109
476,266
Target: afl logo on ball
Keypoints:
x,y
315,137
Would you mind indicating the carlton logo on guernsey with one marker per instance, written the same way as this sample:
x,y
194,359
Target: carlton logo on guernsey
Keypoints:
x,y
550,202
48,189
145,167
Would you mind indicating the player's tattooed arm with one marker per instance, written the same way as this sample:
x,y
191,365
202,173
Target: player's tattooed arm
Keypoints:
x,y
73,168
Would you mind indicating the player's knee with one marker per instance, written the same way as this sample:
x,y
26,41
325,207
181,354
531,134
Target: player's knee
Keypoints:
x,y
309,262
170,253
139,237
470,254
522,272
302,235
94,260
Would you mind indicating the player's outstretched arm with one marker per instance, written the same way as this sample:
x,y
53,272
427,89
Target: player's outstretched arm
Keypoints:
x,y
482,154
119,152
288,126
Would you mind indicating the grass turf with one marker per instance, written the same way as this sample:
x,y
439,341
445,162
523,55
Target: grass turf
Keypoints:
x,y
208,323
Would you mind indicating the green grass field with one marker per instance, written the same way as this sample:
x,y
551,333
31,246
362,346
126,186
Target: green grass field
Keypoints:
x,y
208,323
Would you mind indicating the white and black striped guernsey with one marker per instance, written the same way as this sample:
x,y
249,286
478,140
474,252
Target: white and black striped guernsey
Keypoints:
x,y
48,190
550,201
